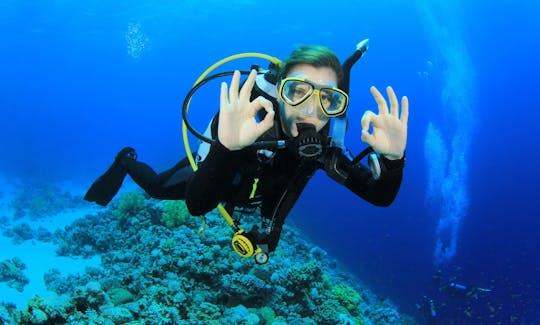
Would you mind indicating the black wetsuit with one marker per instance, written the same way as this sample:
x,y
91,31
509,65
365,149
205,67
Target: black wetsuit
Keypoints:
x,y
225,176
168,185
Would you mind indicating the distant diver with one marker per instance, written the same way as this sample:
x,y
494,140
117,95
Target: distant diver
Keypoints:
x,y
271,134
450,288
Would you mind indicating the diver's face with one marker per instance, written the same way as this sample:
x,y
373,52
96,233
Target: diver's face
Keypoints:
x,y
309,111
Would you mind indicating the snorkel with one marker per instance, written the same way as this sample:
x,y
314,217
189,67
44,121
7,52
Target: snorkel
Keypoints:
x,y
339,125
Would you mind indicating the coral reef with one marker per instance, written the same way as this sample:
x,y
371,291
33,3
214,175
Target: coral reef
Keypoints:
x,y
129,205
175,213
11,272
4,221
88,236
22,232
38,200
19,233
157,266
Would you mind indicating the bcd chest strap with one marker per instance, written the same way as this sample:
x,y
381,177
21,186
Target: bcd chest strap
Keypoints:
x,y
286,202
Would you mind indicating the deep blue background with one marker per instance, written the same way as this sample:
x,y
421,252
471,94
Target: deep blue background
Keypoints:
x,y
71,96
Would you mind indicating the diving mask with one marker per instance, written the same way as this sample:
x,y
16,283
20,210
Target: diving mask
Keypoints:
x,y
296,91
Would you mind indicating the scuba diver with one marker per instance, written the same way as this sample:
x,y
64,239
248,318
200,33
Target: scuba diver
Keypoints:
x,y
429,307
453,289
271,134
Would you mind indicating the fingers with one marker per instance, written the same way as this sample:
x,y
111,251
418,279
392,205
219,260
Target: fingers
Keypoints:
x,y
405,109
367,119
383,124
223,98
369,139
267,122
245,92
235,84
381,102
261,102
394,108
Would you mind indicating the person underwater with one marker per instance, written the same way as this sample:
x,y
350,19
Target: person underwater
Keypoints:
x,y
292,105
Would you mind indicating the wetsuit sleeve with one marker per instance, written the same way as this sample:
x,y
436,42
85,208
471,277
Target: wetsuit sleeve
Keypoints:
x,y
380,192
212,182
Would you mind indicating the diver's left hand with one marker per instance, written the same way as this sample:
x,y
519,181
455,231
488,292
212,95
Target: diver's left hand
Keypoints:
x,y
389,136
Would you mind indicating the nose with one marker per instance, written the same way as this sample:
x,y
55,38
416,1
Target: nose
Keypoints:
x,y
312,104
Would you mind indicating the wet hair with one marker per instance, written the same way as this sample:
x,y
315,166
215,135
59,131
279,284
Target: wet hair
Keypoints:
x,y
317,56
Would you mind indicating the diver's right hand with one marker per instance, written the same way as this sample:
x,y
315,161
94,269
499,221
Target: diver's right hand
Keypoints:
x,y
238,127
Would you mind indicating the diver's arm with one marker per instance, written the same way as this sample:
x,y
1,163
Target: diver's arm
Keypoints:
x,y
380,192
388,139
359,179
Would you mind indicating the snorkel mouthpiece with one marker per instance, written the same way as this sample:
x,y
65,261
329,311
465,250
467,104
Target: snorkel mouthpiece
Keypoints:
x,y
309,143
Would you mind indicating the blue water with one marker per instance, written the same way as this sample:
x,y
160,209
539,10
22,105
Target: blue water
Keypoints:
x,y
80,81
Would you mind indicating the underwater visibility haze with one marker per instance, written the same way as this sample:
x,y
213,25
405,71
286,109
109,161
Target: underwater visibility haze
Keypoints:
x,y
459,245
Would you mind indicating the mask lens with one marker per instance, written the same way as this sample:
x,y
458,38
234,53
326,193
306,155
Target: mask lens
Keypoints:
x,y
332,101
296,92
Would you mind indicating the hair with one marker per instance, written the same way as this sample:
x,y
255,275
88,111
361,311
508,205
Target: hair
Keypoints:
x,y
317,56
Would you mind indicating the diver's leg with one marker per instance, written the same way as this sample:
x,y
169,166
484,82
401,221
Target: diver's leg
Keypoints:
x,y
168,185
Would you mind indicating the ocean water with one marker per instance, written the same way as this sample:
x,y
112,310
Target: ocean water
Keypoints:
x,y
79,81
